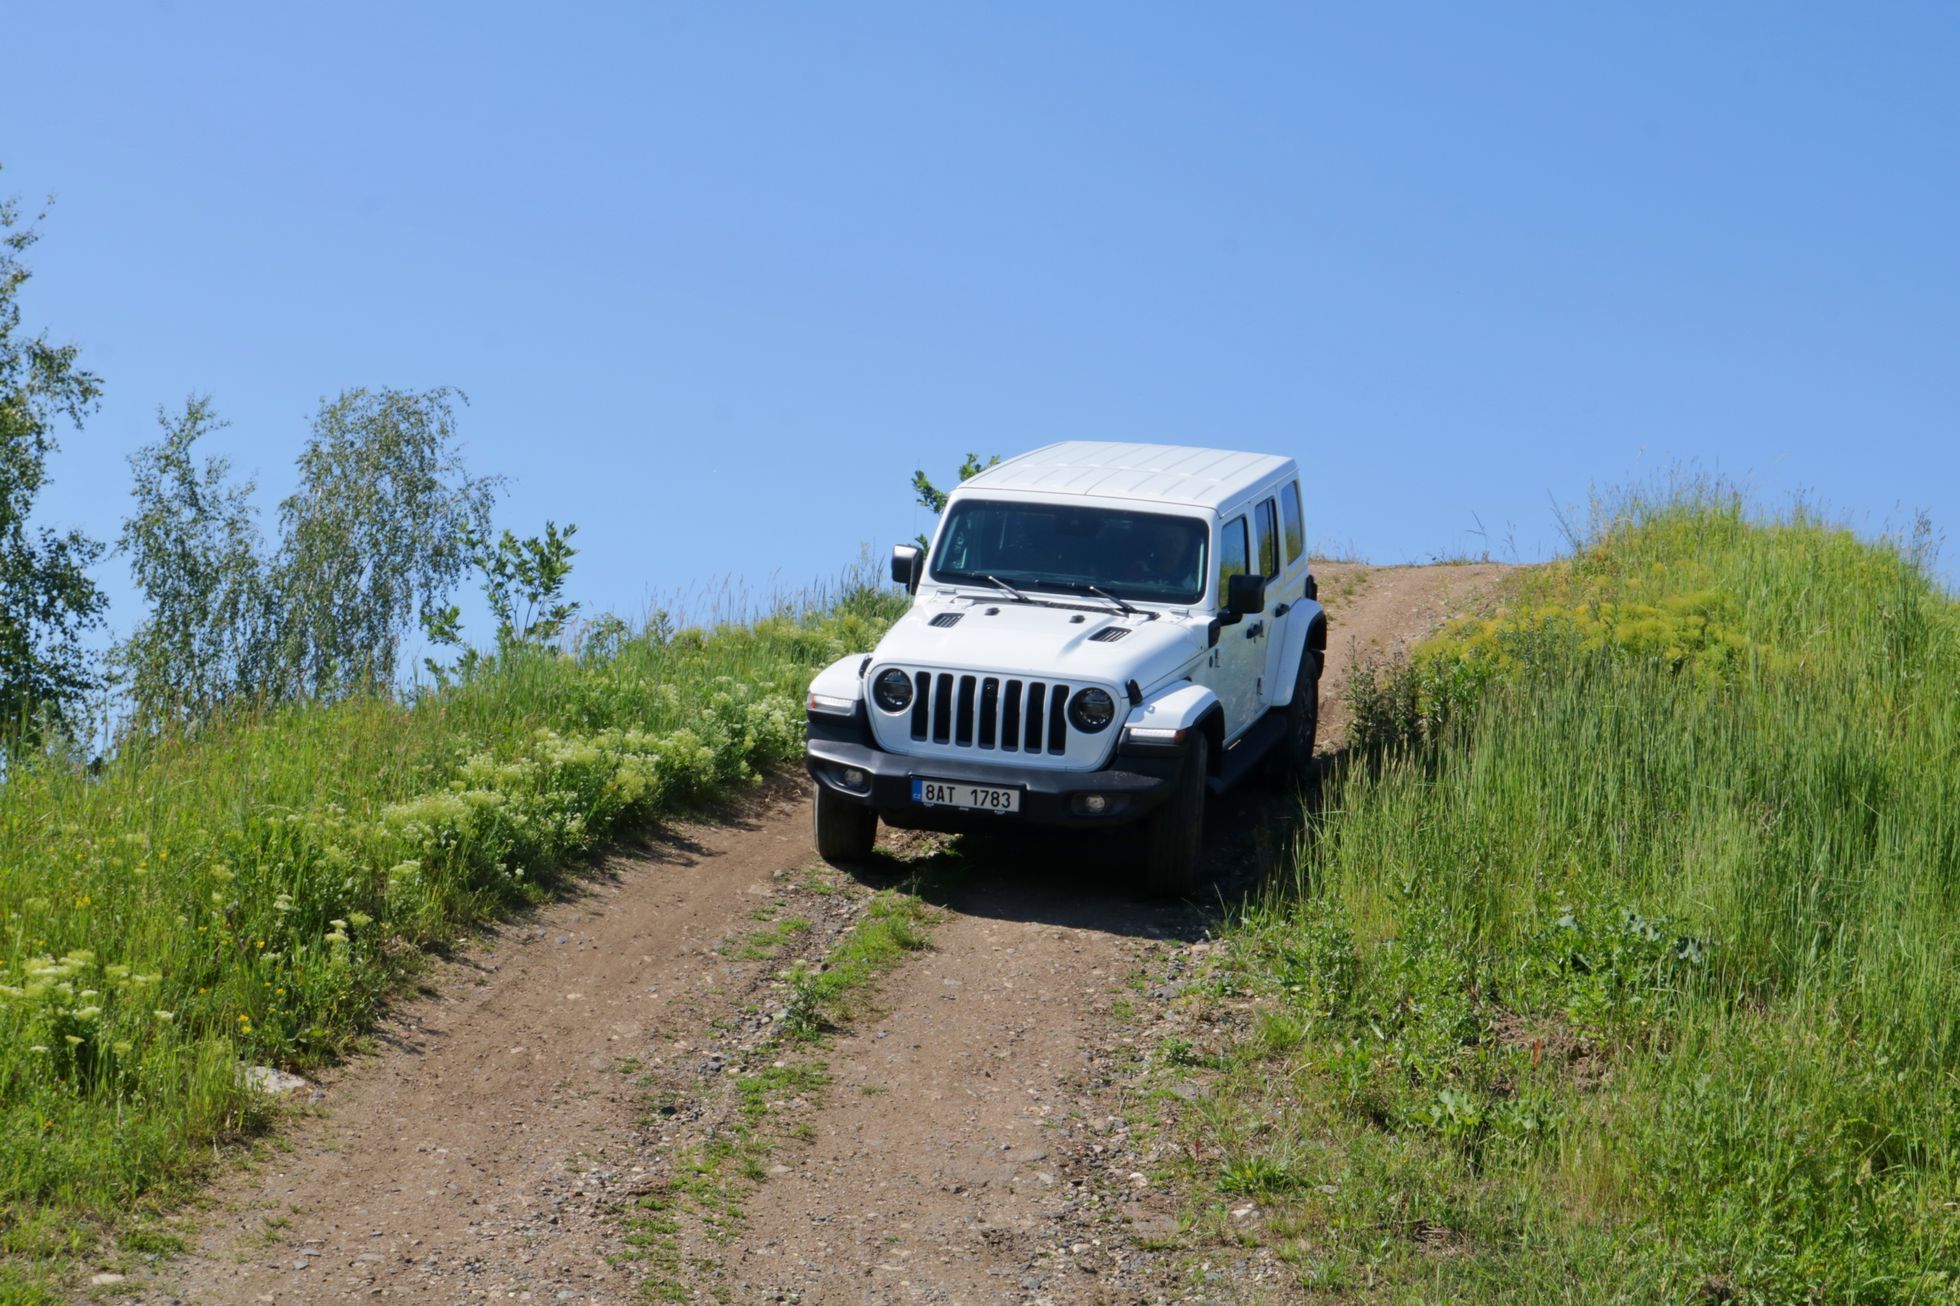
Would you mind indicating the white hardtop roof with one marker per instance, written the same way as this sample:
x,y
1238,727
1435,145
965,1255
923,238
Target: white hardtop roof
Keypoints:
x,y
1165,473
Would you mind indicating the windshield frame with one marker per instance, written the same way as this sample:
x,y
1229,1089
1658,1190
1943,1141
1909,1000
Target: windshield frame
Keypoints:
x,y
1072,589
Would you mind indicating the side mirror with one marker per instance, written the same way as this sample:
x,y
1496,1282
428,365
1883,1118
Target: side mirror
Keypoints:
x,y
905,567
1245,596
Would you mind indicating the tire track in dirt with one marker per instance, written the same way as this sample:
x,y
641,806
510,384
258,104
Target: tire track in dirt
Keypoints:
x,y
966,1149
484,1150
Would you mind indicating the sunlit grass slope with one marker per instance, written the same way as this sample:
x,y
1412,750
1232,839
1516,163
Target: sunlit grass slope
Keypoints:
x,y
1624,959
249,895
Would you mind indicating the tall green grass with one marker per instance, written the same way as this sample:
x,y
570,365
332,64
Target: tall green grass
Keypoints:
x,y
251,893
1624,959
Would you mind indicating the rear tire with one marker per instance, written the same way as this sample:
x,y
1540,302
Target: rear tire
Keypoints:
x,y
845,830
1295,751
1174,834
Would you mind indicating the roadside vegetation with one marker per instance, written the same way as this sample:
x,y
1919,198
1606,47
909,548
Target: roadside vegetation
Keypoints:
x,y
249,894
1620,959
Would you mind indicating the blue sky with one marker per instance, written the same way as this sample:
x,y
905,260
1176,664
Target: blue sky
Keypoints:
x,y
716,278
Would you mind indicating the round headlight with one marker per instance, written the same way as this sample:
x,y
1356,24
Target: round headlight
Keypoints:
x,y
892,690
1091,710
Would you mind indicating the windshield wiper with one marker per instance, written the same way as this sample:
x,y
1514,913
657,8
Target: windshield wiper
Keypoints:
x,y
1123,607
995,581
1071,586
1001,584
1083,587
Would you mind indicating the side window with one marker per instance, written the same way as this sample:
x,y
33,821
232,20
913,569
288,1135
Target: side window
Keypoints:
x,y
1268,540
1232,555
1289,511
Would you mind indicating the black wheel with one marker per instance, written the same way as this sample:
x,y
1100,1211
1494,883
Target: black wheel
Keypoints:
x,y
845,830
1174,834
1295,752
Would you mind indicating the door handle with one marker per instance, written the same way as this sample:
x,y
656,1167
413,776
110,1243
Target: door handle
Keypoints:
x,y
1255,630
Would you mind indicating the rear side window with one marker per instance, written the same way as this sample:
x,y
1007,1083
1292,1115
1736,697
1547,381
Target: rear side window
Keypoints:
x,y
1268,540
1233,559
1289,511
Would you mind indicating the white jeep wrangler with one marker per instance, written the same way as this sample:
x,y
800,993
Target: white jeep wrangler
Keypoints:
x,y
1101,633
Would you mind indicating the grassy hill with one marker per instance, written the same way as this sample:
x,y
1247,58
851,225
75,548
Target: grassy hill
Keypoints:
x,y
1621,961
250,895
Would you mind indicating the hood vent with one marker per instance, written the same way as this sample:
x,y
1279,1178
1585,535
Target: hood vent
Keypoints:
x,y
945,619
1109,634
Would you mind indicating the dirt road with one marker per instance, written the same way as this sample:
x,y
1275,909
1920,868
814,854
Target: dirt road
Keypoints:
x,y
595,1104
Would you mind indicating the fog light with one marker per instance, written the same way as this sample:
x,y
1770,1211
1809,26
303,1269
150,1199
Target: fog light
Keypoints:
x,y
1091,804
854,778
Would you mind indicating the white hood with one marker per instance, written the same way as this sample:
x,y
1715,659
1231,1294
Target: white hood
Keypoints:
x,y
1041,640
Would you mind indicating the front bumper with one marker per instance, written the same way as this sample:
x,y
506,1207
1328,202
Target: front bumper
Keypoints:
x,y
1131,785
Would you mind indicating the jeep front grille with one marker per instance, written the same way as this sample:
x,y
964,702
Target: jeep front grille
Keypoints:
x,y
1002,712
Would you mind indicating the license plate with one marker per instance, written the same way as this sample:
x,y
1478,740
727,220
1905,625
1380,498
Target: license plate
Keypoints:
x,y
957,793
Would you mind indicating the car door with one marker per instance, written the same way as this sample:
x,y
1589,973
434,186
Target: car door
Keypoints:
x,y
1236,665
1266,561
1286,585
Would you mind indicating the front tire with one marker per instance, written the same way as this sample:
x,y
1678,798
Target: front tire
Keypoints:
x,y
1174,834
845,830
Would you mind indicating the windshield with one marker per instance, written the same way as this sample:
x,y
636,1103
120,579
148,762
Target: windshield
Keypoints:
x,y
1139,556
